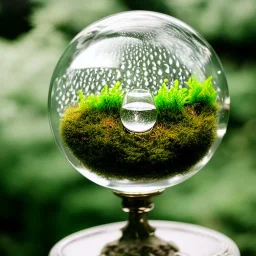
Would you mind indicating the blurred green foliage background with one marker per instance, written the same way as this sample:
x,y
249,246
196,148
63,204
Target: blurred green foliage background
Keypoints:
x,y
43,199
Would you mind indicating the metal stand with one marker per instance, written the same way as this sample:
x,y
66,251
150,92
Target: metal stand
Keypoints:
x,y
138,237
192,240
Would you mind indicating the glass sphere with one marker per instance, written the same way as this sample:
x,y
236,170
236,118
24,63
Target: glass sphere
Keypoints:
x,y
138,102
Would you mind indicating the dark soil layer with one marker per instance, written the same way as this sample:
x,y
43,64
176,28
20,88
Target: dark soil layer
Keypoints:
x,y
175,144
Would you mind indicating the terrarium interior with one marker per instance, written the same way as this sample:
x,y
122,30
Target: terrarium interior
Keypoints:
x,y
138,102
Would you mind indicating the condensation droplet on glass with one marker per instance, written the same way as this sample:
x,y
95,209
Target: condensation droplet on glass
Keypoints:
x,y
160,72
167,70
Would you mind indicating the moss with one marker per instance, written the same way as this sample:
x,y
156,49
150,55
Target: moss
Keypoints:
x,y
184,132
174,145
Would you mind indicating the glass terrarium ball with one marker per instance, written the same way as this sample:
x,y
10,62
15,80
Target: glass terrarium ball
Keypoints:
x,y
138,102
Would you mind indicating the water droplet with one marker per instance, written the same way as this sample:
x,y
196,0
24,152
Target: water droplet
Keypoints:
x,y
138,112
167,70
128,73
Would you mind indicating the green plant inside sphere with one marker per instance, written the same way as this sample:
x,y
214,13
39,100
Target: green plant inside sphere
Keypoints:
x,y
138,102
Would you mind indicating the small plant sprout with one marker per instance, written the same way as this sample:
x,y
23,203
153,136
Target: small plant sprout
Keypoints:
x,y
175,98
107,100
203,93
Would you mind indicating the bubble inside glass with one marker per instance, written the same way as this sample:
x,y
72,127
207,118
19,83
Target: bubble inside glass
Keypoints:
x,y
138,102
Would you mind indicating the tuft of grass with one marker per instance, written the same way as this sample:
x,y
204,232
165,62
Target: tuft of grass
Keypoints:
x,y
176,98
172,100
203,93
107,100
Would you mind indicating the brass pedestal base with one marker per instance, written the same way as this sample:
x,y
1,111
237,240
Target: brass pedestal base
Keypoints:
x,y
150,247
138,237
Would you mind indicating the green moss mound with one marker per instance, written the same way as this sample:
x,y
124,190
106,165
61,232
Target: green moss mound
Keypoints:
x,y
99,141
184,132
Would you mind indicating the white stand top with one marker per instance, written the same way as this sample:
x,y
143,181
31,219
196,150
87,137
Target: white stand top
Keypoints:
x,y
192,240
